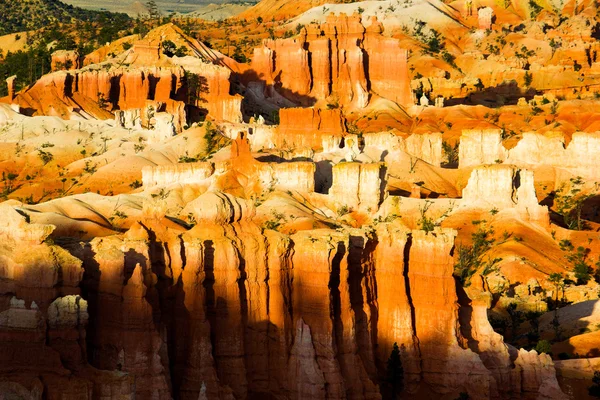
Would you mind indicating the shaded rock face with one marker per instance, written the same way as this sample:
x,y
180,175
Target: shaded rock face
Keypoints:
x,y
227,311
43,320
529,374
340,59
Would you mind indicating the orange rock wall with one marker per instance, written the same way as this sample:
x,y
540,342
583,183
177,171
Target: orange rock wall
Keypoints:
x,y
227,309
122,89
65,60
307,127
340,58
43,319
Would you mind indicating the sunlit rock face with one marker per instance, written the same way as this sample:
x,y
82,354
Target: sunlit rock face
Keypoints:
x,y
214,305
341,59
365,185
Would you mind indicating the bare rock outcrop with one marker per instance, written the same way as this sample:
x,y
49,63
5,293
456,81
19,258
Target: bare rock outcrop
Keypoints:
x,y
187,173
65,60
306,127
123,335
43,319
479,147
15,229
357,185
241,170
99,92
219,208
505,187
538,149
11,87
522,373
427,147
331,61
444,363
538,376
228,310
485,17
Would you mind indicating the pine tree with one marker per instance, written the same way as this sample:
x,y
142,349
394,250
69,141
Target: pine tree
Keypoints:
x,y
153,10
594,390
395,371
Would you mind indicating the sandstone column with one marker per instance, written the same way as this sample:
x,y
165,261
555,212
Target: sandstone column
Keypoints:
x,y
12,87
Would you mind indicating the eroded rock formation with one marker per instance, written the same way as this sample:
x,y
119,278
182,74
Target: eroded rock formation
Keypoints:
x,y
65,60
297,249
505,187
481,147
209,312
98,92
534,149
242,169
307,127
340,60
43,319
357,185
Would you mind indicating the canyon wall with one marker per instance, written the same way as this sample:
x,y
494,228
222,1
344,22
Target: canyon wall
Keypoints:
x,y
580,155
326,130
357,185
505,187
187,173
339,60
427,147
479,147
253,175
307,127
99,92
523,373
43,319
229,310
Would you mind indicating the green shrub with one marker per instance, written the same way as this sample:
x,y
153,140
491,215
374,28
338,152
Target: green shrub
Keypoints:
x,y
543,346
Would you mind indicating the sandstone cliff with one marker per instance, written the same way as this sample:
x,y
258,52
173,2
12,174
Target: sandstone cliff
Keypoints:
x,y
95,91
230,311
481,147
534,149
505,187
241,170
308,127
340,60
43,320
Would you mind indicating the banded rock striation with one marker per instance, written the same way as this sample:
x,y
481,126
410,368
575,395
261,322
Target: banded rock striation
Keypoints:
x,y
229,310
43,320
340,60
95,91
534,149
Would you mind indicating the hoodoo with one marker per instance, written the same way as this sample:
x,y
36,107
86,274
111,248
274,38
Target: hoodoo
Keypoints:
x,y
339,60
299,200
